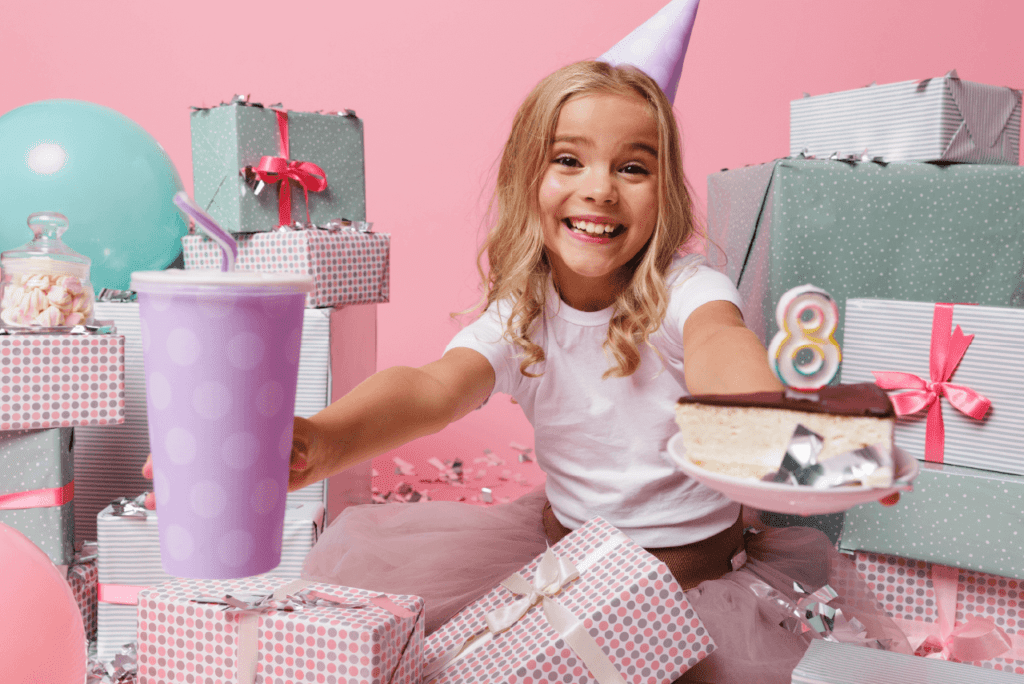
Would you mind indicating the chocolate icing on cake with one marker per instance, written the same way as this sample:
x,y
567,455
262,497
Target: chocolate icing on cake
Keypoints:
x,y
862,399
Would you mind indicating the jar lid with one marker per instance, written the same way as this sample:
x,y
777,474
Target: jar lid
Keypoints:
x,y
47,227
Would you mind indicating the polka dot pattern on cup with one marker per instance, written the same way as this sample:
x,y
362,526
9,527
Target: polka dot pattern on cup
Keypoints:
x,y
347,267
181,641
628,601
61,381
220,397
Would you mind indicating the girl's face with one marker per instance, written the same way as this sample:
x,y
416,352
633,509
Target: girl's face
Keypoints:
x,y
598,197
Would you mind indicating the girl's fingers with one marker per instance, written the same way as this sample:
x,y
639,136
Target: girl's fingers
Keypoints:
x,y
150,502
147,469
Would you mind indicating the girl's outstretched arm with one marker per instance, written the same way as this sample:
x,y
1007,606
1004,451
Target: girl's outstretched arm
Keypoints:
x,y
723,356
386,410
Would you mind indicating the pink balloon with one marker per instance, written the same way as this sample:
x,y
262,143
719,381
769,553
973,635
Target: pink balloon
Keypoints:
x,y
42,639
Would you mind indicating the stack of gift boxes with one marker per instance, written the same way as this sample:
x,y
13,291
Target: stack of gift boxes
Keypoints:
x,y
73,407
897,200
51,386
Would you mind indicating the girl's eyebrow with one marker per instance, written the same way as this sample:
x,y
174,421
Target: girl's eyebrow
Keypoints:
x,y
583,140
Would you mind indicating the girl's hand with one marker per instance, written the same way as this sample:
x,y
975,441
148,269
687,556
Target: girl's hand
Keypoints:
x,y
147,472
307,462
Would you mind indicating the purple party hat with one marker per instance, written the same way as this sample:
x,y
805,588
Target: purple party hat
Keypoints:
x,y
657,46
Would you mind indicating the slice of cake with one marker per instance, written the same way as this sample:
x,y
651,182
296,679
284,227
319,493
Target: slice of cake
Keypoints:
x,y
745,435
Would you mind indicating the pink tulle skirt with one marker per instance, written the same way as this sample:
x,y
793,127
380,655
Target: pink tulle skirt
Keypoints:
x,y
453,553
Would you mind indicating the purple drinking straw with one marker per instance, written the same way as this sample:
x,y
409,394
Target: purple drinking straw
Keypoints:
x,y
228,245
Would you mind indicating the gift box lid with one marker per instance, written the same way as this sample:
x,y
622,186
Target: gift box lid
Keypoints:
x,y
827,662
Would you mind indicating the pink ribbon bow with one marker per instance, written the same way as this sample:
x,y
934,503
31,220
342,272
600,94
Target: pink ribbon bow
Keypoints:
x,y
273,169
946,351
976,639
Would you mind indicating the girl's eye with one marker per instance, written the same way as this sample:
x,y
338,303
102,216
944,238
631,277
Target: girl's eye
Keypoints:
x,y
635,169
567,160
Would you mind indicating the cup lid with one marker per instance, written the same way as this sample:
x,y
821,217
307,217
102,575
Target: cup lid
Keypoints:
x,y
143,281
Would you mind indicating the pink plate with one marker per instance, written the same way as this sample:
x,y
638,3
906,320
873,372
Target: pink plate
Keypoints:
x,y
794,499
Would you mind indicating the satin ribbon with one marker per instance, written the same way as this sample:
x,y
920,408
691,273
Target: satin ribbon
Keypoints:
x,y
287,598
553,574
977,639
282,169
121,594
38,498
946,351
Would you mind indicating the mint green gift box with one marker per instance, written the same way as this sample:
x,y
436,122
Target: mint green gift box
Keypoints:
x,y
957,516
228,138
913,231
32,460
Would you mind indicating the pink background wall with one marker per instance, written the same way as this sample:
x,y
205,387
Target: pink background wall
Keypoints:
x,y
437,84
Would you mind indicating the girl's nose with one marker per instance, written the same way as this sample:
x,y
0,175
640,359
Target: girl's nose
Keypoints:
x,y
601,188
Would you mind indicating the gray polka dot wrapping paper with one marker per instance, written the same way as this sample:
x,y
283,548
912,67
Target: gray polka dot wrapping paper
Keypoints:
x,y
956,516
625,594
348,267
934,119
129,560
228,138
906,588
34,460
911,231
355,640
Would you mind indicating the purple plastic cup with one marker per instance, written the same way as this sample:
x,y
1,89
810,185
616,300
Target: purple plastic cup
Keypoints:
x,y
221,357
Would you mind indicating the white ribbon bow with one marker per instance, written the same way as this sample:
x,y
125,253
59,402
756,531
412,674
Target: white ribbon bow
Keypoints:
x,y
552,575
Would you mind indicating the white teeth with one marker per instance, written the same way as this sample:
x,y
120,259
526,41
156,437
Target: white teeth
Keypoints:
x,y
593,228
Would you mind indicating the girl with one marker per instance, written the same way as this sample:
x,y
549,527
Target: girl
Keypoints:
x,y
595,324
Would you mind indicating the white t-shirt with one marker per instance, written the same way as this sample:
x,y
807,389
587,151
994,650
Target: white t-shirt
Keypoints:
x,y
602,442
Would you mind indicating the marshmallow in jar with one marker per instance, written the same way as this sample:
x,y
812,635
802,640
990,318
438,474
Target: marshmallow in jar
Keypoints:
x,y
45,284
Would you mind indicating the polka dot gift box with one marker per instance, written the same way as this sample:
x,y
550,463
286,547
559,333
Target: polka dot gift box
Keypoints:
x,y
348,267
305,632
636,620
922,596
910,231
962,517
37,488
83,577
61,381
241,151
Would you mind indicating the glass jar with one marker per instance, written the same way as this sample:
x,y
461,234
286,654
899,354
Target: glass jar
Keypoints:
x,y
44,285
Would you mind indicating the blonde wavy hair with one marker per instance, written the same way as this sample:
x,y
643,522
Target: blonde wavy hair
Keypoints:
x,y
518,267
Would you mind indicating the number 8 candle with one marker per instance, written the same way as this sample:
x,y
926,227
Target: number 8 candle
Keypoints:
x,y
804,354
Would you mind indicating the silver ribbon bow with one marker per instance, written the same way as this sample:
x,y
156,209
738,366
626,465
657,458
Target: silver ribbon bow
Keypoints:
x,y
124,507
871,465
121,669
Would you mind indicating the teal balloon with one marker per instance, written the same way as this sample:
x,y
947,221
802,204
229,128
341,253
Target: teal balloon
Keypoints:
x,y
104,172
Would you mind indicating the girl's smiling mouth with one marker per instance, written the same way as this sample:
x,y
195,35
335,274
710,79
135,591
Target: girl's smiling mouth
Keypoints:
x,y
594,229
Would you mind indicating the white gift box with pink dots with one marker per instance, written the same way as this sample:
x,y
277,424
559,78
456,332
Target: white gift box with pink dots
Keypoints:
x,y
314,633
909,592
635,620
61,381
348,267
